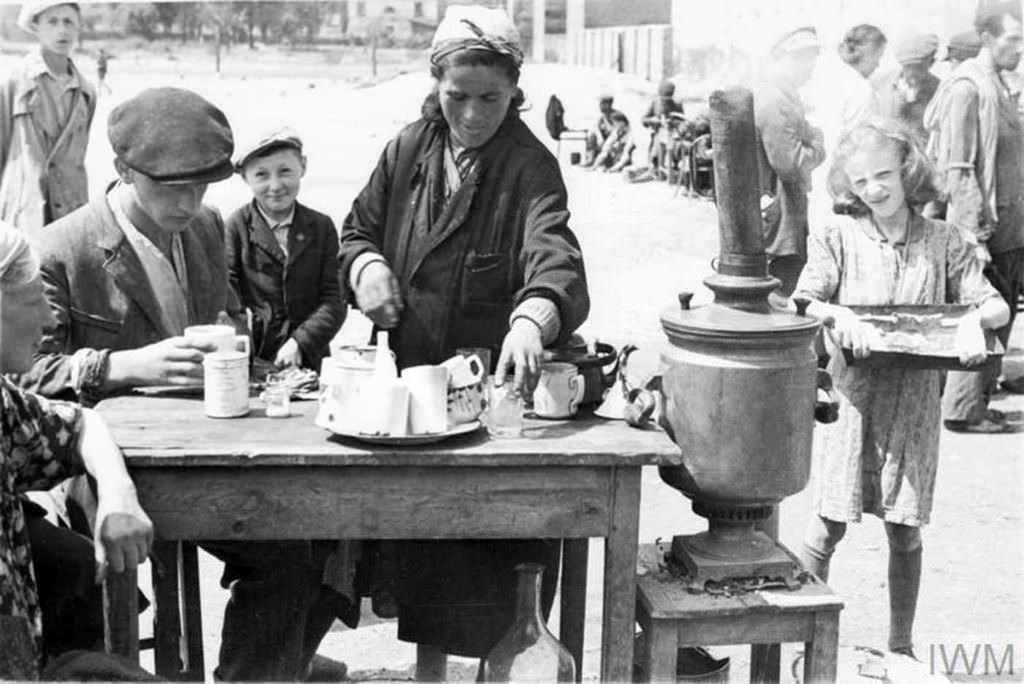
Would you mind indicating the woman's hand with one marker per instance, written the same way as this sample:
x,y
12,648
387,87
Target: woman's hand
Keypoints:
x,y
378,296
124,533
852,332
289,355
970,340
522,349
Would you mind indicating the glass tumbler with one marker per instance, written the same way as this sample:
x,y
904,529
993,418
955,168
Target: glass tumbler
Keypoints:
x,y
504,411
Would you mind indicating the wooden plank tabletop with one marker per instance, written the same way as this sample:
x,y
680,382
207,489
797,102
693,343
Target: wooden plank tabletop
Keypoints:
x,y
170,431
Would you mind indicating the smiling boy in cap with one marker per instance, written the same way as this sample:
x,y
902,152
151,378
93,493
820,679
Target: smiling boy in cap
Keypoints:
x,y
124,275
46,110
283,256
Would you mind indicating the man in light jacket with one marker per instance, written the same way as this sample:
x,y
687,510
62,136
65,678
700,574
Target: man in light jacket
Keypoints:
x,y
977,139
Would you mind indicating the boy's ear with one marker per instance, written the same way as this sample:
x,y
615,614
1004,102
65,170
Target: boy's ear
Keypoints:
x,y
124,172
302,161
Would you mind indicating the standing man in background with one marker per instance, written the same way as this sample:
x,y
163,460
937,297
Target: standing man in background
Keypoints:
x,y
977,138
789,150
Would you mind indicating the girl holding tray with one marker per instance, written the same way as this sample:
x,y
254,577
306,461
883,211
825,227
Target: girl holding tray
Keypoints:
x,y
881,455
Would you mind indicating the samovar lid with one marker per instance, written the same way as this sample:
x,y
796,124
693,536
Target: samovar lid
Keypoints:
x,y
718,321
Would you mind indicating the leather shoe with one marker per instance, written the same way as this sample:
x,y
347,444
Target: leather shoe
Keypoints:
x,y
985,426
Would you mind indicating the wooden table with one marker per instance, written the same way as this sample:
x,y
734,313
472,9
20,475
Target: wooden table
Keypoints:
x,y
264,478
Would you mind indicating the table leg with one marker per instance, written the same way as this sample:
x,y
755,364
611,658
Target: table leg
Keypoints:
x,y
661,649
194,668
821,652
765,663
620,577
121,614
166,620
574,598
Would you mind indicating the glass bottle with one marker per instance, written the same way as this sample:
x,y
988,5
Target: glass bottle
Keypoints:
x,y
529,652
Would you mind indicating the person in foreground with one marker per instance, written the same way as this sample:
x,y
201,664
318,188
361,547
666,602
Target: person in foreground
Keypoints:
x,y
461,239
42,442
881,455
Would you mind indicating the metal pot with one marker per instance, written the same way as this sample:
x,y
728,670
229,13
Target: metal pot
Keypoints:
x,y
598,368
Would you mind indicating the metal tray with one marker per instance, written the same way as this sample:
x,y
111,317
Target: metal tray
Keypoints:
x,y
919,337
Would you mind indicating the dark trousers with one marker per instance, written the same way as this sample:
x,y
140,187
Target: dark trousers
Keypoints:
x,y
966,395
69,598
278,611
787,269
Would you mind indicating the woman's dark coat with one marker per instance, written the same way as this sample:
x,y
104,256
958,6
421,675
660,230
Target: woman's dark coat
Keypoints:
x,y
462,267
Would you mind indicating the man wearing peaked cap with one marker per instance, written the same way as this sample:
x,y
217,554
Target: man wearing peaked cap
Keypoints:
x,y
913,85
124,275
789,149
963,45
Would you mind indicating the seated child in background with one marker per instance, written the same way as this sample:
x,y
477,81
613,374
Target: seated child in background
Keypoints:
x,y
283,257
617,150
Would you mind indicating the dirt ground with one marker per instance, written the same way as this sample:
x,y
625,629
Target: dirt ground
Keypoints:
x,y
642,246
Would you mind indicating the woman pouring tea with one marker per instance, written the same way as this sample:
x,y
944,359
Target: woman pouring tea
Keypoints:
x,y
461,239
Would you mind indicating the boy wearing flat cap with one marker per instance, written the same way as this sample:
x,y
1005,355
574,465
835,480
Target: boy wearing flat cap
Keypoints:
x,y
124,275
283,257
914,85
46,110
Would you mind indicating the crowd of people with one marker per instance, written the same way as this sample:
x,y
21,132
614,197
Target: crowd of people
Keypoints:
x,y
445,253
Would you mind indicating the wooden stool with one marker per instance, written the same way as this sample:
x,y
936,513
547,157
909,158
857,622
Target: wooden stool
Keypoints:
x,y
672,618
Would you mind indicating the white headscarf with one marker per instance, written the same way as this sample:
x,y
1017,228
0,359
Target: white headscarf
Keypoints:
x,y
18,261
470,27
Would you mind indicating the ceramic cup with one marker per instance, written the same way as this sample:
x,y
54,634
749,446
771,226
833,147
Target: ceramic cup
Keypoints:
x,y
559,390
387,407
428,398
221,336
465,388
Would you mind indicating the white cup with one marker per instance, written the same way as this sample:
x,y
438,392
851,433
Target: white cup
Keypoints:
x,y
559,390
226,384
428,398
464,371
221,336
387,408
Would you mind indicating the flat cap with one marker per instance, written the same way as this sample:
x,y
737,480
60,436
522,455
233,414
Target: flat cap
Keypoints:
x,y
173,136
606,97
797,40
919,47
31,10
277,138
963,45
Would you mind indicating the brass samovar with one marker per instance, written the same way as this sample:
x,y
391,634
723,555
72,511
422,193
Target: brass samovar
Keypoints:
x,y
739,379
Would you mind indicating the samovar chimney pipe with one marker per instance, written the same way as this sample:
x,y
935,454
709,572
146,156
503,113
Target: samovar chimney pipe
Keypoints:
x,y
741,280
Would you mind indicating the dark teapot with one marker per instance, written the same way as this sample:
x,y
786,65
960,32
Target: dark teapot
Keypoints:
x,y
598,368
